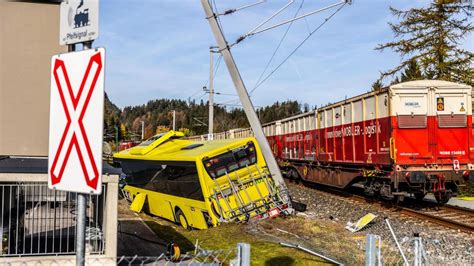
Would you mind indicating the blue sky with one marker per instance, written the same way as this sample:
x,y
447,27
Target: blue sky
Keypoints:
x,y
160,49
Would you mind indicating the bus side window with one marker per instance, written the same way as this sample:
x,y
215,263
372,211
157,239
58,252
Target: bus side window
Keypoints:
x,y
178,179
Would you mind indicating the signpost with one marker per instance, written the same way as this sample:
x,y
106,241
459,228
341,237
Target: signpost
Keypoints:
x,y
79,21
76,124
76,111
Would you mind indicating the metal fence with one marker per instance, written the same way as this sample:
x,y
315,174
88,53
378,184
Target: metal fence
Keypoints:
x,y
35,220
239,256
396,243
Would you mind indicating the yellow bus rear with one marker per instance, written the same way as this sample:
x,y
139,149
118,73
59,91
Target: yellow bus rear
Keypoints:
x,y
200,184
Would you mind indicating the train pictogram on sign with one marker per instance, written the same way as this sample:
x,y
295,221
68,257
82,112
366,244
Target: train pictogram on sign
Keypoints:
x,y
75,146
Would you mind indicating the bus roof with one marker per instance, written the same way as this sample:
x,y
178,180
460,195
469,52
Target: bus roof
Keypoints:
x,y
180,149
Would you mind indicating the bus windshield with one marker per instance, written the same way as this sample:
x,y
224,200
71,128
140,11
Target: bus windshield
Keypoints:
x,y
230,161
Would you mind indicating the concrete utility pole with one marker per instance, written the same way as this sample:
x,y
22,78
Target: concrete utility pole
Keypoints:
x,y
246,102
143,129
174,120
210,135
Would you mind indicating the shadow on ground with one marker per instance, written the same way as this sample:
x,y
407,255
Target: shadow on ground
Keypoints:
x,y
171,235
282,260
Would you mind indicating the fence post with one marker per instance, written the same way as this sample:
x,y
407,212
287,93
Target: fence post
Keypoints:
x,y
420,256
373,254
243,255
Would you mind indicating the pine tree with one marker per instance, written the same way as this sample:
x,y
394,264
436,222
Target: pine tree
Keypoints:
x,y
411,72
431,35
377,85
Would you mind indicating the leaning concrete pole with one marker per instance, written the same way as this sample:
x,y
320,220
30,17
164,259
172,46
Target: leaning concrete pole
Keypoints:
x,y
246,102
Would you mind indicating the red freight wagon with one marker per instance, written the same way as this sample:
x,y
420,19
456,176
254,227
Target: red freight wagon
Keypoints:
x,y
411,138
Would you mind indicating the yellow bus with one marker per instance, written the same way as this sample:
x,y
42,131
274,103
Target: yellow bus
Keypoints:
x,y
200,184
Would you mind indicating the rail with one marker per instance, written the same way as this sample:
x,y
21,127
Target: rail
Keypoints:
x,y
448,216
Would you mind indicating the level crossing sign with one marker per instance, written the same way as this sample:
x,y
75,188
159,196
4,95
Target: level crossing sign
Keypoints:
x,y
76,121
79,21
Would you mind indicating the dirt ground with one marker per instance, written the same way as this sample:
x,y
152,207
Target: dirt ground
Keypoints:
x,y
263,236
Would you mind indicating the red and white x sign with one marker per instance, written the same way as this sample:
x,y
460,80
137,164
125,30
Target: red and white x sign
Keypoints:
x,y
76,121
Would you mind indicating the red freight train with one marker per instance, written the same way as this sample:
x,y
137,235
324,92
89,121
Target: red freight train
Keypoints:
x,y
411,138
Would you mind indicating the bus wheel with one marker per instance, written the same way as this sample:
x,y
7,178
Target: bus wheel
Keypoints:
x,y
181,219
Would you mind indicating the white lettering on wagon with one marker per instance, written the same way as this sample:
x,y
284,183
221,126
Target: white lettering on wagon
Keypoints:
x,y
452,152
348,131
413,104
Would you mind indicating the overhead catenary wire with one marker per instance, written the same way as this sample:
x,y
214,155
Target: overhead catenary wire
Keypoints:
x,y
225,94
269,18
207,82
293,19
234,105
232,10
297,47
278,46
216,68
195,93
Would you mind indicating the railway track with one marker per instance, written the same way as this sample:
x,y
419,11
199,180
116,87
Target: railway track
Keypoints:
x,y
447,216
453,217
450,216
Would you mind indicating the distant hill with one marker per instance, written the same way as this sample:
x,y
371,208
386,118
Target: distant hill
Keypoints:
x,y
191,117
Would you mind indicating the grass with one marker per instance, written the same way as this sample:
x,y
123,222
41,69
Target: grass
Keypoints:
x,y
467,190
263,238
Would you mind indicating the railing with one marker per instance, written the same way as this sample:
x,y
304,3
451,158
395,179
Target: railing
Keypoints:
x,y
35,220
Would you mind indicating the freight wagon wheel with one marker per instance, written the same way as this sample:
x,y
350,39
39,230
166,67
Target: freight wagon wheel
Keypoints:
x,y
419,196
181,219
442,197
293,174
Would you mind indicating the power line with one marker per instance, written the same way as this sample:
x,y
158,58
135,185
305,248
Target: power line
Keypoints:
x,y
219,59
192,95
207,82
225,94
297,47
200,97
235,105
278,47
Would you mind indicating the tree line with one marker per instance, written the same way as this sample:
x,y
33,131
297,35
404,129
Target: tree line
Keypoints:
x,y
191,117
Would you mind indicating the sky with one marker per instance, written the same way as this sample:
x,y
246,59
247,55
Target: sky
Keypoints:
x,y
160,49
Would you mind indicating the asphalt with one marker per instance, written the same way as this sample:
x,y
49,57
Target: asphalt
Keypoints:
x,y
135,238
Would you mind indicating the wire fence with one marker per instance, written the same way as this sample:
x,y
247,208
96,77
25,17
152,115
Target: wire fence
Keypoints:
x,y
395,242
172,257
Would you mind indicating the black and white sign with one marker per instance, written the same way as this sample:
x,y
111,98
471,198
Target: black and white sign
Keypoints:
x,y
79,21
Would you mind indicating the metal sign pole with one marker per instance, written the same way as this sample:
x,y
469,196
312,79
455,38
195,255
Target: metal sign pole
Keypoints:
x,y
81,229
81,205
246,102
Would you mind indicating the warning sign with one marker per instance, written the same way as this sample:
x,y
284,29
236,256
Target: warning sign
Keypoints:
x,y
462,108
440,104
76,121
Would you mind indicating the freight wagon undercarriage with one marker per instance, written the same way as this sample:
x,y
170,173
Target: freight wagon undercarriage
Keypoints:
x,y
383,181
